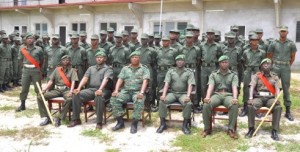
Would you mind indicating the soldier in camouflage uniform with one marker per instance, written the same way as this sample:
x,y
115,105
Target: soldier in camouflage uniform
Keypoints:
x,y
103,42
91,52
125,41
260,95
17,70
110,35
133,39
222,90
180,82
61,89
251,59
99,77
135,78
83,43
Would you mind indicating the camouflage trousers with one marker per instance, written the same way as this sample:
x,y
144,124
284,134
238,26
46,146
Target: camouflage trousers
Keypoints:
x,y
123,97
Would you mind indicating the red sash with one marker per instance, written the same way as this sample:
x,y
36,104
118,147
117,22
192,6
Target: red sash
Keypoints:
x,y
30,58
63,76
266,83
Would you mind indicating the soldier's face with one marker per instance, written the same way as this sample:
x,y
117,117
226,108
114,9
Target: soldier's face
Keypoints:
x,y
224,65
94,42
283,34
125,38
65,62
157,40
118,40
100,60
29,41
103,36
55,41
17,42
110,34
254,43
5,41
260,35
135,60
166,43
82,38
266,67
217,38
133,35
144,42
230,40
196,33
180,63
151,39
74,41
189,40
210,36
173,36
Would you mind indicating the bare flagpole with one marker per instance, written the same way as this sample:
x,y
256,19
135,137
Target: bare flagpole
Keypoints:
x,y
160,16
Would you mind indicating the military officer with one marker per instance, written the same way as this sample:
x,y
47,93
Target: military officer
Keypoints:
x,y
133,39
262,95
78,56
180,82
32,58
173,39
5,58
16,66
264,44
251,59
103,42
283,52
99,77
222,90
110,35
125,41
91,52
157,39
63,78
83,43
134,79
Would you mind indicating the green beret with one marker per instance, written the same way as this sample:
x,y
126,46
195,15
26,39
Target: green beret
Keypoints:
x,y
55,36
283,28
165,38
65,57
135,53
134,30
28,35
180,57
118,35
210,30
100,53
157,36
125,33
94,37
189,34
223,57
266,60
110,29
253,37
144,36
259,30
82,33
102,32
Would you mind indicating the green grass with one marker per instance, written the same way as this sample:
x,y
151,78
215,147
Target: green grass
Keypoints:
x,y
7,108
29,113
97,134
218,141
288,147
33,133
292,129
8,132
112,150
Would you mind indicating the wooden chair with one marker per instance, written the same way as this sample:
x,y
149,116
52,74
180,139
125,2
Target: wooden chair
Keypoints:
x,y
213,117
60,101
264,110
106,115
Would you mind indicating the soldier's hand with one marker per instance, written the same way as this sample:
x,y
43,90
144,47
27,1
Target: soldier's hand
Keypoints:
x,y
235,101
70,94
140,96
44,91
250,102
162,98
98,92
187,99
114,94
76,91
206,100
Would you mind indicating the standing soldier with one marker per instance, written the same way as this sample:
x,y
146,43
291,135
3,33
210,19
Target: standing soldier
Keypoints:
x,y
165,60
16,66
196,33
98,89
118,57
110,37
173,39
32,58
238,42
91,52
210,52
63,78
5,56
157,39
78,56
264,87
133,39
134,79
45,38
251,59
151,40
192,57
222,90
125,41
180,82
283,52
264,44
103,43
83,43
54,54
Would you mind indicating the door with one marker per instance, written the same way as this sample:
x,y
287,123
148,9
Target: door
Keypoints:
x,y
62,33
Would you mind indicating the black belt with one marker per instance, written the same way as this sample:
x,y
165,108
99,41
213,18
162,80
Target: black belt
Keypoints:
x,y
163,67
190,65
5,59
282,62
208,64
117,65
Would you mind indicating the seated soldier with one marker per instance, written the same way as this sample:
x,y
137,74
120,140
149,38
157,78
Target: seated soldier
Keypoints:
x,y
134,79
98,89
63,77
264,87
222,90
180,82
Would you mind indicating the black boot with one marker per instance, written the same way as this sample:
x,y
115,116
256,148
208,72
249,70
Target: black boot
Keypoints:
x,y
274,135
45,122
185,128
197,109
57,122
250,132
134,124
244,111
288,114
1,90
8,86
162,126
119,125
22,106
4,87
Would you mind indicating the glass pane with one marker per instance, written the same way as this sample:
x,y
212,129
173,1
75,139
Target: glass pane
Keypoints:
x,y
103,26
169,26
74,27
16,28
37,27
181,26
44,28
82,27
156,28
24,29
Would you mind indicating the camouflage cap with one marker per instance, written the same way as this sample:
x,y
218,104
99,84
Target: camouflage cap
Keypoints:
x,y
231,34
210,30
28,35
110,29
65,57
17,39
3,31
151,35
254,37
196,28
103,32
144,36
4,36
174,31
72,32
189,27
217,32
266,60
251,33
166,38
100,53
94,37
118,35
259,30
55,36
283,28
223,57
45,35
134,30
189,34
135,53
157,36
124,32
234,27
180,57
74,36
82,33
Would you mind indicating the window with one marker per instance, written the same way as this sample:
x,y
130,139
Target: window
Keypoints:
x,y
24,29
128,28
23,2
21,29
78,27
242,30
16,2
167,26
105,26
16,28
41,28
298,31
61,1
